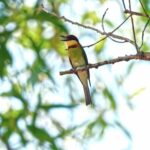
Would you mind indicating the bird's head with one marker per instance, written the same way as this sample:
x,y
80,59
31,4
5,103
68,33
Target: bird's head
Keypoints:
x,y
71,41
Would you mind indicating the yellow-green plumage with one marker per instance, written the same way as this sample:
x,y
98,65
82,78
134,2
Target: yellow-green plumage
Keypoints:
x,y
78,59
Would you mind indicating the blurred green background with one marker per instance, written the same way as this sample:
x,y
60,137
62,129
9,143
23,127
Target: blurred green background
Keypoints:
x,y
41,109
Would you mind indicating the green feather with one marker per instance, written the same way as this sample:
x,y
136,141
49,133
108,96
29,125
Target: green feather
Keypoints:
x,y
78,58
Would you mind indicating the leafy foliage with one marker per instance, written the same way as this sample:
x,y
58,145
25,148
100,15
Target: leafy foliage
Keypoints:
x,y
42,106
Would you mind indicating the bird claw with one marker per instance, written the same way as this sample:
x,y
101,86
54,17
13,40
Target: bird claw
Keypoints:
x,y
74,70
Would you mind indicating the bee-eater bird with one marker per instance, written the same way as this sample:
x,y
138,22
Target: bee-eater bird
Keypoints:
x,y
78,59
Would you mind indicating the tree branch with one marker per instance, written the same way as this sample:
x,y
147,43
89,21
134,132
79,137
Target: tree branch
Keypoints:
x,y
124,4
109,35
133,29
135,13
143,33
139,56
145,24
91,28
146,13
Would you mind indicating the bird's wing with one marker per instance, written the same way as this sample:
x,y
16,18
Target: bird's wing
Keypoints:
x,y
86,61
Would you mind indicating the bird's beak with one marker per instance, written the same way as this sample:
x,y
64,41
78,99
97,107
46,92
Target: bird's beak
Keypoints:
x,y
63,38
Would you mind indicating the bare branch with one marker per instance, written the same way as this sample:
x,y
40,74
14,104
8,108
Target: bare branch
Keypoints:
x,y
114,29
135,13
121,24
103,19
145,24
96,42
144,9
133,29
142,15
143,33
124,4
140,56
91,28
72,22
110,34
124,39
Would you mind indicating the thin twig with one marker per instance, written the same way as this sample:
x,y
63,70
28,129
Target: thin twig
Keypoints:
x,y
133,29
118,28
124,4
103,19
103,31
135,13
117,40
89,27
121,23
96,42
110,34
114,29
145,24
144,9
70,21
143,33
140,56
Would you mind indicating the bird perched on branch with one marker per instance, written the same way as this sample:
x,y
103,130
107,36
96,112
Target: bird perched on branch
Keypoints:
x,y
78,59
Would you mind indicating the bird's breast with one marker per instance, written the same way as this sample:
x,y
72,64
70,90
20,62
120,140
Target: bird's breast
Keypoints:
x,y
76,57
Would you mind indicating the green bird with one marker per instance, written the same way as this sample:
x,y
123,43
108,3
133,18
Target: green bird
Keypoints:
x,y
78,59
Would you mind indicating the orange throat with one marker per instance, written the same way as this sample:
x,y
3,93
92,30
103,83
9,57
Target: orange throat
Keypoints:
x,y
72,44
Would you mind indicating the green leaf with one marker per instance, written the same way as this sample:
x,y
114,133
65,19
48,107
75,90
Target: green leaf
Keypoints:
x,y
109,23
40,134
5,59
110,97
145,48
91,16
100,46
43,16
103,1
136,93
56,106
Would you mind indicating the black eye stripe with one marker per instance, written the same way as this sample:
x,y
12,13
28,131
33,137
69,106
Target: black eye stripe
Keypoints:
x,y
73,46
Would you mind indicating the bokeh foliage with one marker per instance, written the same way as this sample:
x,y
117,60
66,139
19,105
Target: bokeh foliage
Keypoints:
x,y
31,56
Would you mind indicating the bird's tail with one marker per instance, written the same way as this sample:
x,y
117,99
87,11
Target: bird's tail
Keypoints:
x,y
87,94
